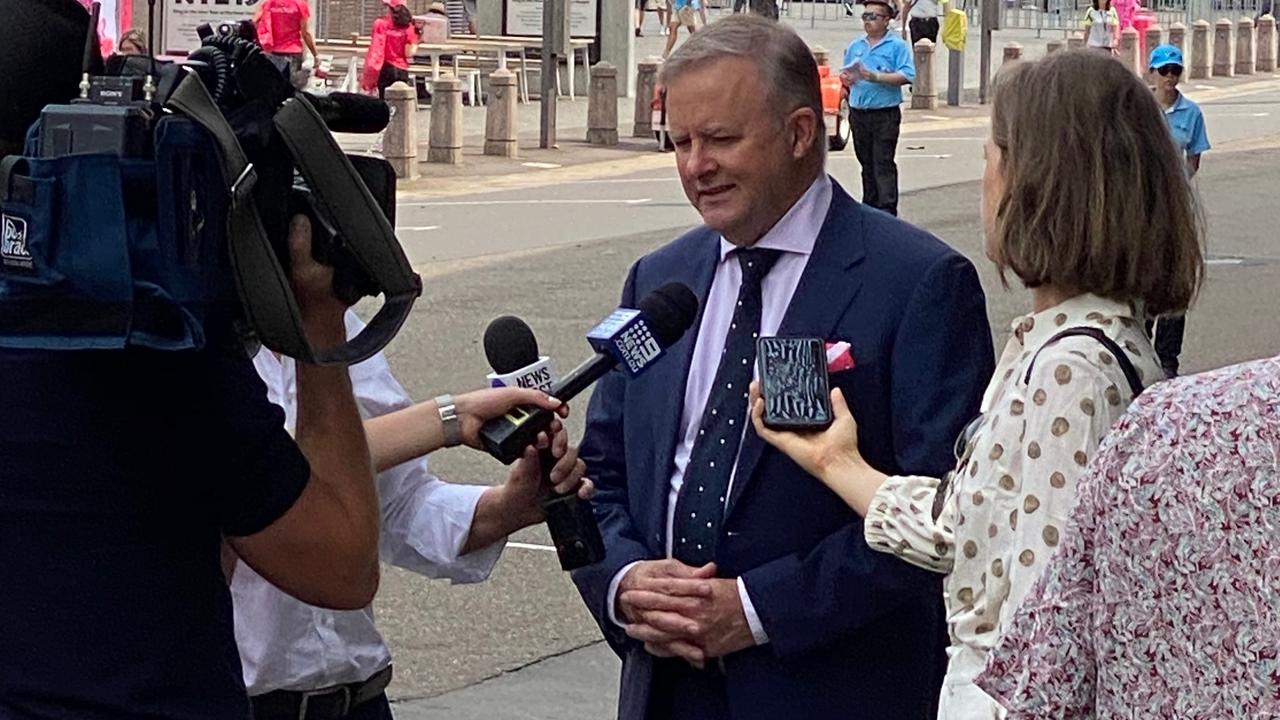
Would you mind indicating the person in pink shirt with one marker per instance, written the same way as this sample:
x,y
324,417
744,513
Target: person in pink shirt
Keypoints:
x,y
395,37
283,31
1126,9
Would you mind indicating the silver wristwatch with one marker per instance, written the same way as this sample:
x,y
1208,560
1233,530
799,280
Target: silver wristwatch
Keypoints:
x,y
449,420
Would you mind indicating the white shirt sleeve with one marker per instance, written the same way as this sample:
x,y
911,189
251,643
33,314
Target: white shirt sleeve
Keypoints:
x,y
613,593
753,619
425,521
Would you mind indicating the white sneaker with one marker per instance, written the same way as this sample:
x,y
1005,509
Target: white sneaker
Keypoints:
x,y
664,32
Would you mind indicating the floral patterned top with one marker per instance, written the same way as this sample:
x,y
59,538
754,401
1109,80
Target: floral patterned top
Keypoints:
x,y
995,521
1164,601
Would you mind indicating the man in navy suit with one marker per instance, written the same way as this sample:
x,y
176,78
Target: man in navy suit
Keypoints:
x,y
735,585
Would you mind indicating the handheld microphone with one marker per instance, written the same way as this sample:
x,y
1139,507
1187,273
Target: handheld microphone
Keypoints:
x,y
351,112
634,339
512,351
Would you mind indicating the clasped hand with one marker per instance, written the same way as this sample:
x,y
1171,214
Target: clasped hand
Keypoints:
x,y
681,611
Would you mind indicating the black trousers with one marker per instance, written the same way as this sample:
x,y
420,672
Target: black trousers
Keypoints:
x,y
1169,330
681,692
923,28
875,142
389,75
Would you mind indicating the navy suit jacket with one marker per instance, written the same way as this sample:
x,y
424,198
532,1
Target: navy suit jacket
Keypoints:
x,y
853,633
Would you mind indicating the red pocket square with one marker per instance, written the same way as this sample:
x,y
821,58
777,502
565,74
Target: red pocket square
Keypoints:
x,y
840,357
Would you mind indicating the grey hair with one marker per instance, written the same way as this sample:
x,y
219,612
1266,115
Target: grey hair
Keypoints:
x,y
786,64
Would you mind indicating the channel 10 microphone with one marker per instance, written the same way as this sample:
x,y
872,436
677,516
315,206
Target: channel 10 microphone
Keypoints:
x,y
512,351
633,339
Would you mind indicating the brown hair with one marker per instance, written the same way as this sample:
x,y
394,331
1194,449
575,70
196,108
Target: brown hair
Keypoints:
x,y
1096,198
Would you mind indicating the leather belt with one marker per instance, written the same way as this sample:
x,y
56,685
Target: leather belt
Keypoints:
x,y
332,703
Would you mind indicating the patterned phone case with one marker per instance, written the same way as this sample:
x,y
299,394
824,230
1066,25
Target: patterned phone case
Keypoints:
x,y
793,381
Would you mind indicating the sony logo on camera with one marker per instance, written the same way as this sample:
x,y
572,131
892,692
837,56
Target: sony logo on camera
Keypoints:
x,y
13,243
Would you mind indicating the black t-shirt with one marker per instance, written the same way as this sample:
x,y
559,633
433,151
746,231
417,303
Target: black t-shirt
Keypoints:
x,y
119,474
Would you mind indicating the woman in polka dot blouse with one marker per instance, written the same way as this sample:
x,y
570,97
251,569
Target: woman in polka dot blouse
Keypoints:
x,y
1085,202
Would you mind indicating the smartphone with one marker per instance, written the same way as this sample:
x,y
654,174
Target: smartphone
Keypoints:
x,y
794,383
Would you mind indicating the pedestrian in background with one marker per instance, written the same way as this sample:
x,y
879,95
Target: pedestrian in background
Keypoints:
x,y
1186,127
133,42
395,38
283,31
1071,366
1102,26
922,19
876,67
684,13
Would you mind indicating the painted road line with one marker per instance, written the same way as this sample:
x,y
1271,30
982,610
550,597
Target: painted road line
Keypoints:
x,y
1224,261
530,546
417,228
541,165
479,203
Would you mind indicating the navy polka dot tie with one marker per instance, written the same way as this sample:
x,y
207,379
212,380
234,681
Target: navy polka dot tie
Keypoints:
x,y
700,506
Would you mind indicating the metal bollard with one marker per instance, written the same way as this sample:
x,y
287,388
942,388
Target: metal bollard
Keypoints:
x,y
924,95
602,105
446,120
400,139
1266,44
955,77
500,115
1201,61
1244,46
646,81
1129,49
1223,65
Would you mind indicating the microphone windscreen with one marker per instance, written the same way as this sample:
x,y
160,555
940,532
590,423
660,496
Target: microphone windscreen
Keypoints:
x,y
669,312
509,344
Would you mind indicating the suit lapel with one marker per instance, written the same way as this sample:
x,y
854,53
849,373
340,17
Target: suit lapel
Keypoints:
x,y
667,380
827,287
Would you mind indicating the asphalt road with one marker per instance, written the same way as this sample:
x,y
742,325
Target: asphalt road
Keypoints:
x,y
556,255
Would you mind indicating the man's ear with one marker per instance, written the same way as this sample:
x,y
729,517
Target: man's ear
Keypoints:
x,y
803,129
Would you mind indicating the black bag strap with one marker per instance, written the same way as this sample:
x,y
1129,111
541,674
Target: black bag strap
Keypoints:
x,y
342,197
263,285
10,165
1126,365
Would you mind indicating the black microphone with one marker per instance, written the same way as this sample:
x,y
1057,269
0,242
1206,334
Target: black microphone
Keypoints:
x,y
632,338
351,112
512,351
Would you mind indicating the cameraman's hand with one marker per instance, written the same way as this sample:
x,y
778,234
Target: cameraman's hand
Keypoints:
x,y
476,408
312,282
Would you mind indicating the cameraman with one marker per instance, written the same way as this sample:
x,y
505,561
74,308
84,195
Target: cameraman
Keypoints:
x,y
122,471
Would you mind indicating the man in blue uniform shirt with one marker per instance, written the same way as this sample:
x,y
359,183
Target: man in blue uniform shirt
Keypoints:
x,y
876,66
1186,127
